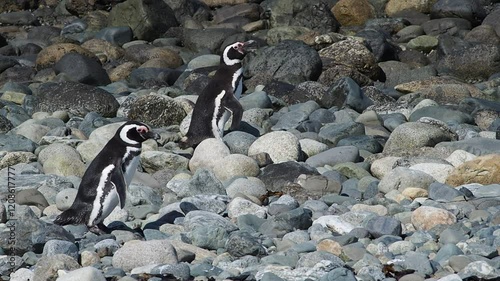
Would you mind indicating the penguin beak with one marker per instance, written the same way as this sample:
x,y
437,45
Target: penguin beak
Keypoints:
x,y
249,46
151,135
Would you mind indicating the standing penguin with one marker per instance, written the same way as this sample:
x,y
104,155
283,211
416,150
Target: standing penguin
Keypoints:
x,y
219,98
104,183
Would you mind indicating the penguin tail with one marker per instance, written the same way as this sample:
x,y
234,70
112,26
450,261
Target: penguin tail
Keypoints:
x,y
70,216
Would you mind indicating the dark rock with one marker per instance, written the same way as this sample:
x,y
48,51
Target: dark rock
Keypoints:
x,y
445,114
364,142
477,146
382,225
443,193
7,62
316,15
276,176
322,115
157,110
118,35
346,92
332,133
150,77
332,74
17,73
465,9
209,237
305,91
398,73
339,274
283,223
289,61
44,33
203,182
239,142
76,98
210,39
147,19
18,18
380,44
5,125
32,234
493,19
16,143
475,62
82,69
450,26
242,243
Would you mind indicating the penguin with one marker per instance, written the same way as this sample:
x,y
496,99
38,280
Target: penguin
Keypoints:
x,y
104,183
220,98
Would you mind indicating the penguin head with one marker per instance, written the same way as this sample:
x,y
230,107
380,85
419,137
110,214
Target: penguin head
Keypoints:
x,y
135,132
234,53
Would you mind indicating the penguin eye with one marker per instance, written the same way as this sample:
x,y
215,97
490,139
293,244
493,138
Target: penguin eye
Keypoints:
x,y
235,47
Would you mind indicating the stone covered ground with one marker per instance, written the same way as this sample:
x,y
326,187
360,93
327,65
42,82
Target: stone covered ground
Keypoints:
x,y
368,149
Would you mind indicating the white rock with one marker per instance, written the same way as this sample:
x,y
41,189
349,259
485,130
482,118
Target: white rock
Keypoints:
x,y
57,148
312,147
208,154
250,186
88,273
438,171
281,146
335,223
65,198
383,166
236,165
137,253
239,206
451,277
458,157
22,274
31,130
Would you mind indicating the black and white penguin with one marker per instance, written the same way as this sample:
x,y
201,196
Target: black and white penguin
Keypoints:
x,y
219,99
104,183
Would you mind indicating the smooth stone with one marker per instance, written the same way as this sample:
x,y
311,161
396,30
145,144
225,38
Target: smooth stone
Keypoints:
x,y
334,132
239,206
137,253
236,165
249,186
281,146
334,156
208,153
239,142
426,217
400,178
88,273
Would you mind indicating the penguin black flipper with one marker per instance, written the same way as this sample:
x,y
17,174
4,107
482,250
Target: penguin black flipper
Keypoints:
x,y
118,179
230,103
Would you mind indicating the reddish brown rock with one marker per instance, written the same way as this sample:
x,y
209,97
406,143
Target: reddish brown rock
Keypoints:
x,y
483,169
353,12
426,217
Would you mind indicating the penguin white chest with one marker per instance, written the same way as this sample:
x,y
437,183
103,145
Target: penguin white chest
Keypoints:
x,y
107,197
130,164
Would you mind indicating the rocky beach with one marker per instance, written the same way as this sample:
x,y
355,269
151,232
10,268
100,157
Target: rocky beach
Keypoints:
x,y
369,147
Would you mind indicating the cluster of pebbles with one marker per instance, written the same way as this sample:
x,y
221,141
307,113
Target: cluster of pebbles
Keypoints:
x,y
369,148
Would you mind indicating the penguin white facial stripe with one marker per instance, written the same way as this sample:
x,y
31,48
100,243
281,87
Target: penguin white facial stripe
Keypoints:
x,y
124,131
215,123
97,207
226,59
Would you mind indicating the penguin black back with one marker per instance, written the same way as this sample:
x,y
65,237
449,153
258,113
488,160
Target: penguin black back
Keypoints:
x,y
219,98
110,172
